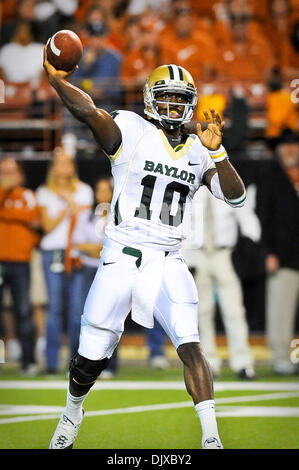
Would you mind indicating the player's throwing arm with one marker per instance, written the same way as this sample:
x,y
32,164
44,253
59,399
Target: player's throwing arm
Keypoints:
x,y
80,104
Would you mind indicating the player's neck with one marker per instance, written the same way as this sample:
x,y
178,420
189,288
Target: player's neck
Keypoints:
x,y
172,133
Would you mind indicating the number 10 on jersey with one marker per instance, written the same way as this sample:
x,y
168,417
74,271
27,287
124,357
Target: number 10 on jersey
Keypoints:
x,y
144,211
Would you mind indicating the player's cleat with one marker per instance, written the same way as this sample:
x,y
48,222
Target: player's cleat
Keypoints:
x,y
212,443
65,433
30,371
246,374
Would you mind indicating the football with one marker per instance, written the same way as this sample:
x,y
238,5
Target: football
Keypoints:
x,y
64,50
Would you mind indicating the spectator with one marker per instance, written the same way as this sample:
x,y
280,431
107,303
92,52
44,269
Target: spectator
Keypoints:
x,y
140,61
290,56
210,97
63,201
281,111
21,59
52,15
260,10
96,14
115,16
236,135
294,7
132,34
8,10
279,21
204,8
18,237
226,12
201,23
209,254
89,241
24,14
245,56
99,69
141,7
279,211
45,16
193,49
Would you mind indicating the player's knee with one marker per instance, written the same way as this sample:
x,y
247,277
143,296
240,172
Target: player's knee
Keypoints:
x,y
84,372
190,354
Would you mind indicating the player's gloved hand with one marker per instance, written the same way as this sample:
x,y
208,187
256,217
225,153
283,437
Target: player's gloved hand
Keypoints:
x,y
53,73
212,136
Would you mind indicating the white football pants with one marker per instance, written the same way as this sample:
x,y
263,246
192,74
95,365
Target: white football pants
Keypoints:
x,y
110,300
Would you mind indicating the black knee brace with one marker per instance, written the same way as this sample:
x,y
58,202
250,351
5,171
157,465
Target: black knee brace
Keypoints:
x,y
84,373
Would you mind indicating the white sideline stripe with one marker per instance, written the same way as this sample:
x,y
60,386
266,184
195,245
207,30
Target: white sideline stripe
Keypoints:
x,y
144,408
259,412
39,409
144,385
262,397
28,409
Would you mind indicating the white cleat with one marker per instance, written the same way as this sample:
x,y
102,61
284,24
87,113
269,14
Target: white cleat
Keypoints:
x,y
212,443
159,362
65,433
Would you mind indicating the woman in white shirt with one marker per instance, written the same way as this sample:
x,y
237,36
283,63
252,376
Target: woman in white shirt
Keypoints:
x,y
63,200
89,241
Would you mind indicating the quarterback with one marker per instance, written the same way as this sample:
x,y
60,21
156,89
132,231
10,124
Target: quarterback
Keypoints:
x,y
157,168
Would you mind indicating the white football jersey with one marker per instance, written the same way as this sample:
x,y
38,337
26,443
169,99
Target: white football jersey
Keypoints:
x,y
154,184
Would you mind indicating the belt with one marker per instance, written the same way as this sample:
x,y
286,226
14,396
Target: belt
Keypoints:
x,y
128,250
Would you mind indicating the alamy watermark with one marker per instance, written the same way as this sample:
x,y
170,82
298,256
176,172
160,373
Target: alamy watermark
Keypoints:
x,y
171,220
295,93
2,352
294,356
2,92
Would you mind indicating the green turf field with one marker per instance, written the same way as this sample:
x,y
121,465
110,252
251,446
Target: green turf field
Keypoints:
x,y
145,409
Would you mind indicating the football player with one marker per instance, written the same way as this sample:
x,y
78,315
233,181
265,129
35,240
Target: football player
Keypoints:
x,y
157,168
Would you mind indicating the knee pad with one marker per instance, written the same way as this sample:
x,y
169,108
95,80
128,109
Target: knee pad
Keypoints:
x,y
84,372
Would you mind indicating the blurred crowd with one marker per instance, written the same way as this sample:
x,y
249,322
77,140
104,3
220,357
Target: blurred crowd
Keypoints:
x,y
51,241
231,47
66,219
241,53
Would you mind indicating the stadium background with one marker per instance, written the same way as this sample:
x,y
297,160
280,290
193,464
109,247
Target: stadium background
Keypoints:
x,y
257,97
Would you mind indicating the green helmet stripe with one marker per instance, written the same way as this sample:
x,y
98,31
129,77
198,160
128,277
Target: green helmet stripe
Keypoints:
x,y
171,74
181,73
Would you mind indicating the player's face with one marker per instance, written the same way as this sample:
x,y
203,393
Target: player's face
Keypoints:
x,y
175,110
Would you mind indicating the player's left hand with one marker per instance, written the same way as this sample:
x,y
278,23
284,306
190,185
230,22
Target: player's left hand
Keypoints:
x,y
212,136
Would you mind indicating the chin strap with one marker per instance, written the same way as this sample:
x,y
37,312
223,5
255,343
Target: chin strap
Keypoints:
x,y
170,125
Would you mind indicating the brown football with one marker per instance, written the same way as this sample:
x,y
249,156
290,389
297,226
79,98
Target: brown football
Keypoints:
x,y
64,50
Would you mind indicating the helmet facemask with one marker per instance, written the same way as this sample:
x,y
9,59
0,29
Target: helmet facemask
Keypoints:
x,y
172,87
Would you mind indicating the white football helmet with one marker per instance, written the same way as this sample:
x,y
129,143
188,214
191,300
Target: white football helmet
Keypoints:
x,y
169,79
